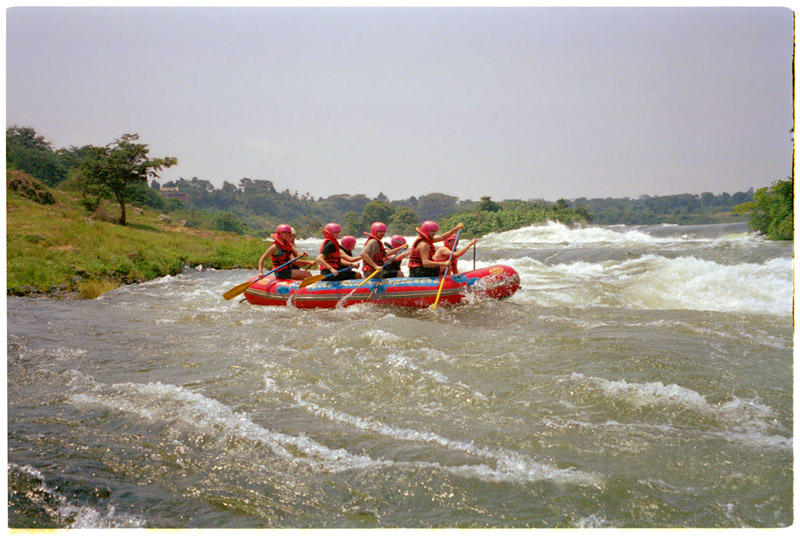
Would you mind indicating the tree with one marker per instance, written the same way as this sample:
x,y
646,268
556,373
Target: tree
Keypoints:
x,y
404,220
29,152
436,206
351,223
376,211
109,170
488,205
228,222
772,210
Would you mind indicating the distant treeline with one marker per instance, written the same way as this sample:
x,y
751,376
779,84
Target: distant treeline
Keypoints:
x,y
686,209
255,206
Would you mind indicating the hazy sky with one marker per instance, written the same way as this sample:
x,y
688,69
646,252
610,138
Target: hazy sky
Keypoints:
x,y
508,102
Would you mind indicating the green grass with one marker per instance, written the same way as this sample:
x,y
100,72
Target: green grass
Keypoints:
x,y
49,245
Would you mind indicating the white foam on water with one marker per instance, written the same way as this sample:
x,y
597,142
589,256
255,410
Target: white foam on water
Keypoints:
x,y
70,515
558,234
402,361
554,234
593,521
509,466
168,403
690,283
741,421
378,337
659,283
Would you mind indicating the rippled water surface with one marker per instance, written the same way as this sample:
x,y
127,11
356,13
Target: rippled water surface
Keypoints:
x,y
642,377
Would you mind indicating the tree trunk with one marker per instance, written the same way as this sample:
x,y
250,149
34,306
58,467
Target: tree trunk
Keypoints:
x,y
122,210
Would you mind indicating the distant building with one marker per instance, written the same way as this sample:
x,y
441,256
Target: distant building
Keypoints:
x,y
173,193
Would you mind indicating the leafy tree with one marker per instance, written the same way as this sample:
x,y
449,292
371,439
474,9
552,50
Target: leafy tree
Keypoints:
x,y
228,222
141,195
351,224
376,210
404,220
488,205
436,206
109,170
772,210
29,152
582,211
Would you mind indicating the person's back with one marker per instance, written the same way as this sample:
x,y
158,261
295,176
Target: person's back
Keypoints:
x,y
445,252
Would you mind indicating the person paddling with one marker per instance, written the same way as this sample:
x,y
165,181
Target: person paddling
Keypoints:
x,y
299,262
348,244
393,269
281,251
443,253
331,255
420,262
374,255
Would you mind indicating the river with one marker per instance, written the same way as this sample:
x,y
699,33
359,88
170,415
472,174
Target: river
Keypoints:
x,y
641,377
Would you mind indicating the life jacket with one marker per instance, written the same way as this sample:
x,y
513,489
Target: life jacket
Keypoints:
x,y
284,253
415,259
332,258
379,257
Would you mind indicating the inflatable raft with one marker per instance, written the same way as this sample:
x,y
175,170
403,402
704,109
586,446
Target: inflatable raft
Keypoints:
x,y
491,282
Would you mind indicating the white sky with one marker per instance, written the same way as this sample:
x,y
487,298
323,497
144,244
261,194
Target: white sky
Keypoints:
x,y
525,102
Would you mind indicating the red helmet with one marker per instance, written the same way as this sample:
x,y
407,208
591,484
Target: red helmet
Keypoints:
x,y
333,228
398,241
283,228
349,242
450,241
377,226
429,227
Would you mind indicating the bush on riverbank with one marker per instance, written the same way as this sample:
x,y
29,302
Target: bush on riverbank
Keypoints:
x,y
58,249
772,210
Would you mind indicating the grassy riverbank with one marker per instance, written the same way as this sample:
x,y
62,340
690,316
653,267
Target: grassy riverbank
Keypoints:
x,y
58,249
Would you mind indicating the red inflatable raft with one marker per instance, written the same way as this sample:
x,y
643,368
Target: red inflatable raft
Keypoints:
x,y
491,282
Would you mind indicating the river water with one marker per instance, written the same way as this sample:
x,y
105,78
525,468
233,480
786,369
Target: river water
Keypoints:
x,y
641,377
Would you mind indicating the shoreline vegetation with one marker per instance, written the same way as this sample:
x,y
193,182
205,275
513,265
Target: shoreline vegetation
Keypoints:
x,y
82,221
58,249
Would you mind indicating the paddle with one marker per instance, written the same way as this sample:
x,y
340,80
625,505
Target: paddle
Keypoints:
x,y
473,255
317,278
455,245
238,289
373,274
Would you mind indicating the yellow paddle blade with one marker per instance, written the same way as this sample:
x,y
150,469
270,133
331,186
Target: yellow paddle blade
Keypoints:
x,y
439,293
310,280
238,289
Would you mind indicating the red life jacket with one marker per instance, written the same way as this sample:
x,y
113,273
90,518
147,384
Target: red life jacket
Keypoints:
x,y
333,258
284,253
415,259
379,258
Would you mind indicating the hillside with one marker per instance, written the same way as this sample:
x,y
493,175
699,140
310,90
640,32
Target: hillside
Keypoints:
x,y
54,246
